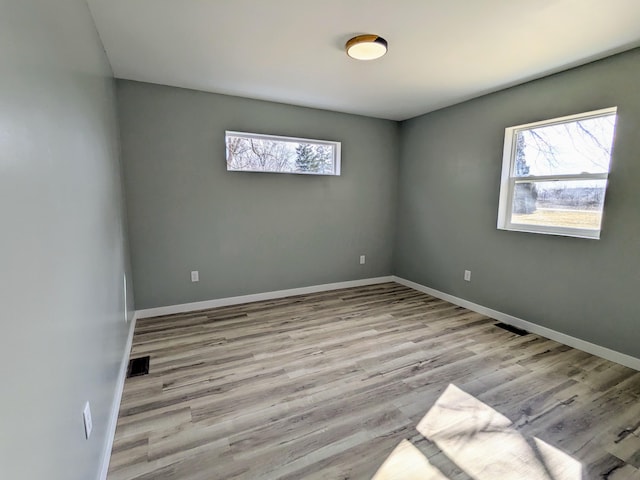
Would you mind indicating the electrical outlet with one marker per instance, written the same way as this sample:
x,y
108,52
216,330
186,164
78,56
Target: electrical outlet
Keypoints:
x,y
467,275
195,276
88,423
362,259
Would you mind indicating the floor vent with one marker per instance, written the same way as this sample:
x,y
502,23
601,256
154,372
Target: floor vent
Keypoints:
x,y
512,329
138,367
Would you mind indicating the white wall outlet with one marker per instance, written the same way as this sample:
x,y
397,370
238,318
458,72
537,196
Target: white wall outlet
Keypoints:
x,y
195,276
363,259
467,275
88,423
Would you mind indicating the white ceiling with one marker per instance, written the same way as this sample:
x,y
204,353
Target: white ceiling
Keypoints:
x,y
441,52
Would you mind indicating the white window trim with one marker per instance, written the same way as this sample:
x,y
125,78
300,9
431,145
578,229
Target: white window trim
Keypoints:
x,y
260,136
508,181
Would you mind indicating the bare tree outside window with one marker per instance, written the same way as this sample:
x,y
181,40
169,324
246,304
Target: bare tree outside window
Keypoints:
x,y
555,174
265,153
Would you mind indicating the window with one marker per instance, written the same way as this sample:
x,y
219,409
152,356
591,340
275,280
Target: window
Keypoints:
x,y
250,152
554,174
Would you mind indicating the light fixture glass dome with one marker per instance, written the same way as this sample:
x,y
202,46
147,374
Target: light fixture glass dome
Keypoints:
x,y
366,47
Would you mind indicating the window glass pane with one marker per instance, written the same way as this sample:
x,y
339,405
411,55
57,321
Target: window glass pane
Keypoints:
x,y
580,146
246,152
571,204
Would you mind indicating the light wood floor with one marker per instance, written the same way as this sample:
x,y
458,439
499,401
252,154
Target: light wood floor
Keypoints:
x,y
328,385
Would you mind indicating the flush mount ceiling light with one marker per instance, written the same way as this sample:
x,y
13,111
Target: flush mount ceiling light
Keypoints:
x,y
366,47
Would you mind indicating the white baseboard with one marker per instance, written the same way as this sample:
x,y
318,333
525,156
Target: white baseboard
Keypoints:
x,y
257,297
115,406
606,353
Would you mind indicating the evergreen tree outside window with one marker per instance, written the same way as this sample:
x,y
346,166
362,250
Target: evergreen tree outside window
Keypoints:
x,y
251,152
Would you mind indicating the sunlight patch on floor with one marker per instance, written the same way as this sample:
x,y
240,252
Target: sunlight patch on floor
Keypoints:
x,y
408,463
480,441
485,445
560,464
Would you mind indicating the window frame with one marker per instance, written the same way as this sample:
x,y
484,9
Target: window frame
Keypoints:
x,y
337,160
508,180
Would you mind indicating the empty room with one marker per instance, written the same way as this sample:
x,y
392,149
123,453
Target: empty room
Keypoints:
x,y
286,239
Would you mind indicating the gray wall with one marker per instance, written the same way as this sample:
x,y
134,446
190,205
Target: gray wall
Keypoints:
x,y
63,253
448,202
248,232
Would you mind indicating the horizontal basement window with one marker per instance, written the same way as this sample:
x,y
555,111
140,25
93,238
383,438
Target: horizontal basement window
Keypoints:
x,y
252,152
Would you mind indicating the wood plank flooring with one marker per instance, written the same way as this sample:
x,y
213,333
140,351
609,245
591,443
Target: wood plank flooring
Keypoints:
x,y
377,381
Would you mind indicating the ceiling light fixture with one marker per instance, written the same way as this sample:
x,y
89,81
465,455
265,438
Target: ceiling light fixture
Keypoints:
x,y
366,47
